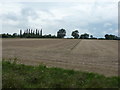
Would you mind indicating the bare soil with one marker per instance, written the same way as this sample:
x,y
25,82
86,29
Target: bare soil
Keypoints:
x,y
99,56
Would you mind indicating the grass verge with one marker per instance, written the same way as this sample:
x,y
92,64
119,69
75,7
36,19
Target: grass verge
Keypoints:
x,y
24,76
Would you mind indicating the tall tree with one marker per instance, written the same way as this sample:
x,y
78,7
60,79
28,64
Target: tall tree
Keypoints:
x,y
21,33
14,35
36,32
110,37
29,31
84,36
61,33
41,32
91,36
75,34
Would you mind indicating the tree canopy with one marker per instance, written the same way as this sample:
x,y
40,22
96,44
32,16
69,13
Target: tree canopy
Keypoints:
x,y
75,34
61,33
84,36
110,37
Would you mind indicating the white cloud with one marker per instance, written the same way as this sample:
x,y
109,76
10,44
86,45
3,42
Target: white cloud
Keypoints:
x,y
83,1
107,24
84,15
11,8
11,22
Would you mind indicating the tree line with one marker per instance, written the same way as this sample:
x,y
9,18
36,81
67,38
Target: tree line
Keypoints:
x,y
29,33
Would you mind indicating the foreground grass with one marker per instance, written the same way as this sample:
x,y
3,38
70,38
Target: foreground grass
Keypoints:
x,y
22,76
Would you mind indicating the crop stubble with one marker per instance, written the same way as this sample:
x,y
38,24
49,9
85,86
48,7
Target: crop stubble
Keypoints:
x,y
100,56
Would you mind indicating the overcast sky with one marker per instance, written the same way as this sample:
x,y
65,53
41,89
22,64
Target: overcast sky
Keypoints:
x,y
97,17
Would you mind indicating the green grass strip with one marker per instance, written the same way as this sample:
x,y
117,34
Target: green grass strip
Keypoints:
x,y
24,76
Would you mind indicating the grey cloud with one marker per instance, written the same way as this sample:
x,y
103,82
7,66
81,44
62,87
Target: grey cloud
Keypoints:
x,y
10,16
78,20
29,12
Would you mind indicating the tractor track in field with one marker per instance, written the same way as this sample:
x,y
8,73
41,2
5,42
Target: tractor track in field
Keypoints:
x,y
76,45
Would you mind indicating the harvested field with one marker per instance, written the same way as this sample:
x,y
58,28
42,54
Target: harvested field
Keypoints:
x,y
100,56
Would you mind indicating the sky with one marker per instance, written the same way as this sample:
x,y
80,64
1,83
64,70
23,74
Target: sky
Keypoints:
x,y
96,17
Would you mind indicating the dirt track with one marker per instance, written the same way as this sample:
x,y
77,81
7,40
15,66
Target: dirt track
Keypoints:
x,y
100,56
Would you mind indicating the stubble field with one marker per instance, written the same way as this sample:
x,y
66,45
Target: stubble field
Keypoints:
x,y
99,56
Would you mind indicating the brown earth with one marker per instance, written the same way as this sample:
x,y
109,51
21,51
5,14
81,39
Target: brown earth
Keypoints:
x,y
100,56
